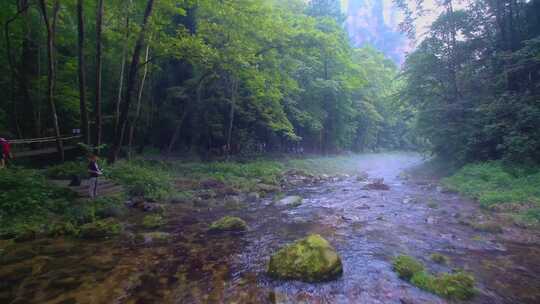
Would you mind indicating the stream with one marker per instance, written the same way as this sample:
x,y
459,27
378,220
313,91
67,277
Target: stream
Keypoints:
x,y
367,228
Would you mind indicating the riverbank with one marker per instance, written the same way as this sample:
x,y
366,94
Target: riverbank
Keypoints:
x,y
368,209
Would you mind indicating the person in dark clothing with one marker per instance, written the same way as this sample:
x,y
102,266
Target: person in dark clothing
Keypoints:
x,y
93,172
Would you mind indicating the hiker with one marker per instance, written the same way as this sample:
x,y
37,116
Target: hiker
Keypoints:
x,y
94,172
5,154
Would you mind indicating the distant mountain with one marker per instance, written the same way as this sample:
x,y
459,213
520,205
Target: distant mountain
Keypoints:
x,y
376,22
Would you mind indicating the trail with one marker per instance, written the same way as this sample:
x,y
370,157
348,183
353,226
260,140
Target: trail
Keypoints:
x,y
367,227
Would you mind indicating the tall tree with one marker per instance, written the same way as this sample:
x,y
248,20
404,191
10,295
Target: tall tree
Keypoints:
x,y
131,83
99,46
51,28
85,126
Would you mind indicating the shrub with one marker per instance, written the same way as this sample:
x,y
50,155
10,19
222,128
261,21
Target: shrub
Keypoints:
x,y
142,179
66,170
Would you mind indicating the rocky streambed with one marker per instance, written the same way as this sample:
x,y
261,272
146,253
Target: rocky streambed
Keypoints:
x,y
176,258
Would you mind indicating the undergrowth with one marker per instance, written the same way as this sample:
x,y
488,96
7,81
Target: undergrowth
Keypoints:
x,y
497,186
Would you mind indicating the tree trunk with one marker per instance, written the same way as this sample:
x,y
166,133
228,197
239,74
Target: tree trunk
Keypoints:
x,y
234,90
97,106
139,100
122,69
132,76
51,70
29,124
85,126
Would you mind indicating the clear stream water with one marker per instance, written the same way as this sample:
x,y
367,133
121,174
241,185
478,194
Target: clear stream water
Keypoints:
x,y
367,227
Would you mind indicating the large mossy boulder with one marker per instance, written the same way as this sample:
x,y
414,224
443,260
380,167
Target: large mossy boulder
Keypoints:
x,y
228,223
311,259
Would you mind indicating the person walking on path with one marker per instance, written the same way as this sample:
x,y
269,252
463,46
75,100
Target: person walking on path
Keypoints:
x,y
94,172
5,149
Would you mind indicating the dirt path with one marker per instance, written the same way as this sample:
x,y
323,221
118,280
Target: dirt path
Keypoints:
x,y
367,227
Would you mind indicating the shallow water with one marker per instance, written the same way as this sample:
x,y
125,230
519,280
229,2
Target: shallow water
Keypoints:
x,y
368,228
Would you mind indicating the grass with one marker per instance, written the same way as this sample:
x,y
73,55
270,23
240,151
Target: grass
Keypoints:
x,y
500,187
458,285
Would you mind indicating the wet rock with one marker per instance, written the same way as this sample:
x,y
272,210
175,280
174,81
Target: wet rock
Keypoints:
x,y
253,196
138,202
154,237
153,221
311,259
266,188
100,229
291,201
228,223
377,184
211,184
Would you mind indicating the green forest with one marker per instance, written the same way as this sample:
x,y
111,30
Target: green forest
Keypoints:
x,y
239,151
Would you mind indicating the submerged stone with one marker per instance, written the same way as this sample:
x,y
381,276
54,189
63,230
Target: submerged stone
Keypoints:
x,y
311,259
228,223
291,201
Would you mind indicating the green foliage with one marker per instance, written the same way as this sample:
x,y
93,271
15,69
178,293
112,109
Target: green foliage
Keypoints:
x,y
242,175
142,179
494,184
25,192
475,96
66,170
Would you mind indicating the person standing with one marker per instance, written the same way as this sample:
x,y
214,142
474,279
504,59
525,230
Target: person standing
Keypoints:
x,y
5,154
94,172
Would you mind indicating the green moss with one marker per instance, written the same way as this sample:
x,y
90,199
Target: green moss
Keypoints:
x,y
153,221
406,266
228,223
439,258
311,259
454,286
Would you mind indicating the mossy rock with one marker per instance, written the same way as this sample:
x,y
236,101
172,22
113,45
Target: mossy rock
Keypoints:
x,y
228,223
453,286
406,266
153,221
311,259
100,229
439,258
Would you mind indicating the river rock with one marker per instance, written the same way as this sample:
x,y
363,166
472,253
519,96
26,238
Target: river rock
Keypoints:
x,y
154,237
311,259
228,223
291,201
253,196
